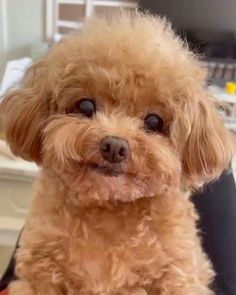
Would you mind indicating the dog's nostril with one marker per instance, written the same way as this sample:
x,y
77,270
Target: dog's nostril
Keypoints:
x,y
122,152
114,149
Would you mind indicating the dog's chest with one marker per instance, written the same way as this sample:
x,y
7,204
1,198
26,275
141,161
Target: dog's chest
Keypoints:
x,y
114,246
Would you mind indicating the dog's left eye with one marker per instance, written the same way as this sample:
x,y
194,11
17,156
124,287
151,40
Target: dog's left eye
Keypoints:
x,y
154,123
86,107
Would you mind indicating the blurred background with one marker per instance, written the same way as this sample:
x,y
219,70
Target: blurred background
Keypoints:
x,y
28,28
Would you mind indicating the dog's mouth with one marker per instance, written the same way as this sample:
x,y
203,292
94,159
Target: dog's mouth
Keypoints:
x,y
109,171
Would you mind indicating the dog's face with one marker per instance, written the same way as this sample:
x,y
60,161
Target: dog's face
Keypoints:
x,y
120,106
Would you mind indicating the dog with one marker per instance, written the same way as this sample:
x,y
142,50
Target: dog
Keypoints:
x,y
119,120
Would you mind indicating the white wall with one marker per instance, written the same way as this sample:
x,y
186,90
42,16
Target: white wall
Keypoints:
x,y
21,25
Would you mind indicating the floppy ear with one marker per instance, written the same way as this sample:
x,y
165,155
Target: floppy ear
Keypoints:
x,y
208,150
23,113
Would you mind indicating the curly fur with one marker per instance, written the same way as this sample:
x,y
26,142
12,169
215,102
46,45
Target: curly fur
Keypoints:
x,y
136,233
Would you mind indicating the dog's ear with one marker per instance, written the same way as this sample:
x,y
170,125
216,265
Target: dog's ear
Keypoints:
x,y
23,112
208,149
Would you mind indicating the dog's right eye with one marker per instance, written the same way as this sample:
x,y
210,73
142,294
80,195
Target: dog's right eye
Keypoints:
x,y
86,107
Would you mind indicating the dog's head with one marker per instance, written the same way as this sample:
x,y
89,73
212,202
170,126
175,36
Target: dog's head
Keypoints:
x,y
121,104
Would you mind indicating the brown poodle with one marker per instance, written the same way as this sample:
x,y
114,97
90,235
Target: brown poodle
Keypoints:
x,y
119,121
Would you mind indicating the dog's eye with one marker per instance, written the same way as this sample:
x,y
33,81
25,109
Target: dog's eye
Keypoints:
x,y
153,123
86,107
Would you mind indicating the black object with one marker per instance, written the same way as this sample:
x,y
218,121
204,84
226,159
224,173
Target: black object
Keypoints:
x,y
208,26
216,205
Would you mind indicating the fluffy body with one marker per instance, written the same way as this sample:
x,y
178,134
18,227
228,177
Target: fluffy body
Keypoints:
x,y
135,234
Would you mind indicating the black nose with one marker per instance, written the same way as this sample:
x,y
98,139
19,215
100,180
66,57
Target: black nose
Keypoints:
x,y
114,149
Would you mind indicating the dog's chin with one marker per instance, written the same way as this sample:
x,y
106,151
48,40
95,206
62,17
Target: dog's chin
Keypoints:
x,y
106,170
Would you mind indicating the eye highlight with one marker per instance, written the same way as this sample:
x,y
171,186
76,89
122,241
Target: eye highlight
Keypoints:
x,y
153,123
86,107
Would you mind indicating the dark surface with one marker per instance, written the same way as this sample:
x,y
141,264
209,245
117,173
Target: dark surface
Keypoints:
x,y
208,26
216,205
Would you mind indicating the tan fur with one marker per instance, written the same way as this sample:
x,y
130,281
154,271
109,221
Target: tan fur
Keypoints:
x,y
133,234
